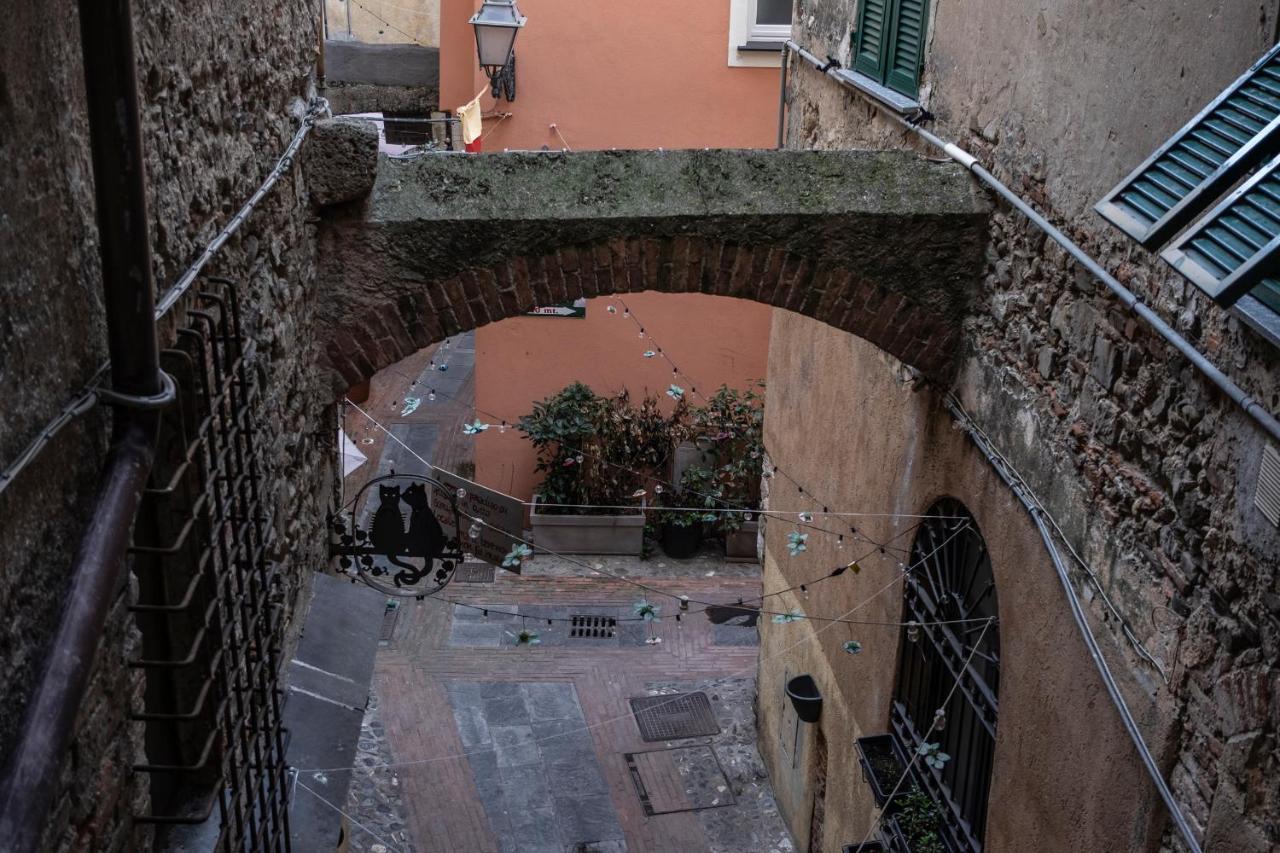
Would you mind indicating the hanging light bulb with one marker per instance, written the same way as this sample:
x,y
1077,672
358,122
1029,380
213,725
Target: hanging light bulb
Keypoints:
x,y
626,312
502,429
913,631
431,395
939,719
658,488
474,531
840,542
433,365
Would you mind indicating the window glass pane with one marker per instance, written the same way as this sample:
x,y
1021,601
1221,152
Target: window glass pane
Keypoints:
x,y
773,12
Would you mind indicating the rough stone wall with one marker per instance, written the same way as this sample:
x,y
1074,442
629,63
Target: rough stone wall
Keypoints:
x,y
1149,469
222,89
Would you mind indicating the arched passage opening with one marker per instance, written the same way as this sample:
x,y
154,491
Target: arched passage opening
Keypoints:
x,y
885,245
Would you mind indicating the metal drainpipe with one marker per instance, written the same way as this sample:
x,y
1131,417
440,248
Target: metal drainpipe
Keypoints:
x,y
1037,513
33,774
782,101
1028,501
1252,407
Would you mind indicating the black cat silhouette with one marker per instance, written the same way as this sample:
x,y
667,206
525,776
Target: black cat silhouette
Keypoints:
x,y
386,534
426,536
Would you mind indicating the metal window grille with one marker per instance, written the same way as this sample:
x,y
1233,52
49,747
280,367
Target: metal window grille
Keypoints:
x,y
953,582
208,605
592,627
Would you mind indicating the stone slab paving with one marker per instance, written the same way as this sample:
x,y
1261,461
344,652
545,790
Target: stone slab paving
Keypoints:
x,y
534,764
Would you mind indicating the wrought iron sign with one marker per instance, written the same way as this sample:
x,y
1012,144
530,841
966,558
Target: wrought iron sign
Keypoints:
x,y
404,553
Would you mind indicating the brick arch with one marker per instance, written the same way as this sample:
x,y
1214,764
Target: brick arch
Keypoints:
x,y
382,334
885,245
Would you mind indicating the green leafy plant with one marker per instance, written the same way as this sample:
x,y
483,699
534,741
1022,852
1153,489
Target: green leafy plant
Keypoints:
x,y
600,451
933,755
918,817
733,421
693,502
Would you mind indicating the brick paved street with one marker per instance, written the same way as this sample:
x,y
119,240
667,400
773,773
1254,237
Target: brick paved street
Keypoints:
x,y
541,765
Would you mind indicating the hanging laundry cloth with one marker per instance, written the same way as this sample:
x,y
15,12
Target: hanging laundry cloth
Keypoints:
x,y
469,115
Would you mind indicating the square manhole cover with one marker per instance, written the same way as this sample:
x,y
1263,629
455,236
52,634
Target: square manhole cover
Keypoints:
x,y
592,627
473,573
684,779
674,716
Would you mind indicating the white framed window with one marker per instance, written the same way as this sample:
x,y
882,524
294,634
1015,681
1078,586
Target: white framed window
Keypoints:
x,y
757,30
768,20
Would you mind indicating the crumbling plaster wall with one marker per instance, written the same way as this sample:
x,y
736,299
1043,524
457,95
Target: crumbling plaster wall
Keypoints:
x,y
1148,468
222,87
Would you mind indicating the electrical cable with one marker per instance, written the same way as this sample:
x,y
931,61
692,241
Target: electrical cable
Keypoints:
x,y
915,756
597,569
87,397
753,668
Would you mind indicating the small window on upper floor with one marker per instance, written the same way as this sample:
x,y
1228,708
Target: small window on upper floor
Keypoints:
x,y
770,20
758,29
888,45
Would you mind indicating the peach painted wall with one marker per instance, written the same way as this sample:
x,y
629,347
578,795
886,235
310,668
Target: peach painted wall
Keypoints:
x,y
651,74
714,339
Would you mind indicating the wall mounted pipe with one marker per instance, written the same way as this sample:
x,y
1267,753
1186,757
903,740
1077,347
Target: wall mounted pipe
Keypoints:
x,y
1251,406
33,773
1037,512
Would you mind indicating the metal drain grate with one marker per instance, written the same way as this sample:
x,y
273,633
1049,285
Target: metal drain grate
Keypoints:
x,y
683,779
593,628
473,573
674,716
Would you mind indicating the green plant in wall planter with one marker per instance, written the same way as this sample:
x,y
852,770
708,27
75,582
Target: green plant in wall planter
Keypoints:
x,y
917,818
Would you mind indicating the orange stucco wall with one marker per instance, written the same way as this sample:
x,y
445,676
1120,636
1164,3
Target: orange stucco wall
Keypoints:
x,y
714,340
616,75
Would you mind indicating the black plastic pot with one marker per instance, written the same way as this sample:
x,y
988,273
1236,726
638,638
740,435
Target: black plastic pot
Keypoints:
x,y
680,542
805,698
883,764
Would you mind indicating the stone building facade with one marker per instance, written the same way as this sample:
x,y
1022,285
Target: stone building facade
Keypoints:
x,y
223,88
1148,470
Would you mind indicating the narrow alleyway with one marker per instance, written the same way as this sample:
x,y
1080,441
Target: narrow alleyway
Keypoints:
x,y
474,743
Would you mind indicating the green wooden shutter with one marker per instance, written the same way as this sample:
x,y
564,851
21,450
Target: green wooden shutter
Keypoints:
x,y
906,47
869,51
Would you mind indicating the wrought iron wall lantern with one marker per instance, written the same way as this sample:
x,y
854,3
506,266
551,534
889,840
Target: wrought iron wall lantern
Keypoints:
x,y
393,544
497,24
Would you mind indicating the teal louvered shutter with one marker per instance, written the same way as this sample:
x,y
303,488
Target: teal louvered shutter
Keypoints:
x,y
869,47
906,47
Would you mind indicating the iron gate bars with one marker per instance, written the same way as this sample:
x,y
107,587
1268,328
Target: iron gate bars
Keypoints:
x,y
949,595
209,602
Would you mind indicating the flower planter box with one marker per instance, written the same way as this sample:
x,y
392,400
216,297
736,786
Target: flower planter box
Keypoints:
x,y
875,845
588,534
883,764
899,842
740,544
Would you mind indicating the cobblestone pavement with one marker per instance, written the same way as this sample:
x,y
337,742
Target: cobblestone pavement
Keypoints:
x,y
376,796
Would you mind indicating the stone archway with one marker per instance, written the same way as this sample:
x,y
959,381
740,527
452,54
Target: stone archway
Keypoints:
x,y
885,245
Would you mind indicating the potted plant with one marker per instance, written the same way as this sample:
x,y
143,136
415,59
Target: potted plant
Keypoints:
x,y
733,422
883,764
873,845
596,452
915,824
680,528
